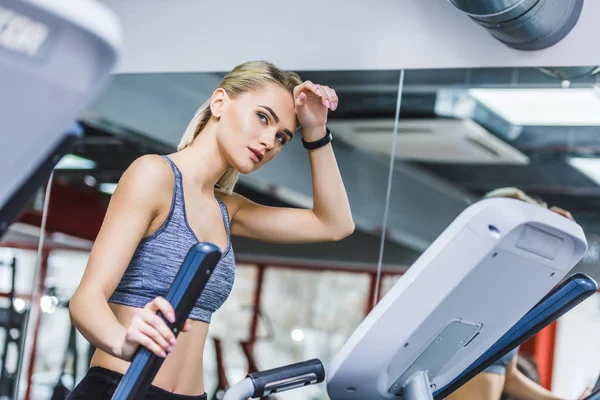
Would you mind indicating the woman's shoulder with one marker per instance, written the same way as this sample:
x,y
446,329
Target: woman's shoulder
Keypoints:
x,y
148,175
150,168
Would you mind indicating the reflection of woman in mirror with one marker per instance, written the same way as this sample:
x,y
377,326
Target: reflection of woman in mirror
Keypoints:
x,y
503,376
165,205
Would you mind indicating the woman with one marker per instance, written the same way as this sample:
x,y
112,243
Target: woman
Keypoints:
x,y
164,205
503,376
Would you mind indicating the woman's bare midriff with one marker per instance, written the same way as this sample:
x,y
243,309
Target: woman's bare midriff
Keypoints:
x,y
181,372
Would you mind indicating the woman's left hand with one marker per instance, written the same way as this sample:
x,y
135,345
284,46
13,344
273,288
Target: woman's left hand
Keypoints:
x,y
312,103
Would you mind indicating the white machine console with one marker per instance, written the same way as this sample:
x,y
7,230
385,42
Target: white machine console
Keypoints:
x,y
55,59
481,275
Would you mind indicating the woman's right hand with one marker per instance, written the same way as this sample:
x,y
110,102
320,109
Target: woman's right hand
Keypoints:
x,y
151,331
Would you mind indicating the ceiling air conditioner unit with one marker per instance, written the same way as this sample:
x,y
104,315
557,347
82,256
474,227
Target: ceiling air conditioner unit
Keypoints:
x,y
429,140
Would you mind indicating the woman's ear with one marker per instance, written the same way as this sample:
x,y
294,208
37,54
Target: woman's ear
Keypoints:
x,y
217,102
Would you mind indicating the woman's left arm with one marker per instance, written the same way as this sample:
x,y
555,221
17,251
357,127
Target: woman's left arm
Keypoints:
x,y
330,218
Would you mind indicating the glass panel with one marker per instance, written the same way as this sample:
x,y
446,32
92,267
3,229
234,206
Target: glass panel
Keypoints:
x,y
155,109
311,313
454,144
464,133
148,113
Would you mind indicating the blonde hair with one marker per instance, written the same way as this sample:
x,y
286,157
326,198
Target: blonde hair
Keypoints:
x,y
243,78
515,193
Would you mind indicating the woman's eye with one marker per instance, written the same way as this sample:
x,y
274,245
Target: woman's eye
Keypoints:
x,y
281,138
263,118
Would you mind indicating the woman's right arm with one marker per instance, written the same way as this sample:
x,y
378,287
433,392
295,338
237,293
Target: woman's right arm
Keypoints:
x,y
133,206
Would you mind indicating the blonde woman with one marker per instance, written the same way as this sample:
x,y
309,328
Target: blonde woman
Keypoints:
x,y
503,376
163,205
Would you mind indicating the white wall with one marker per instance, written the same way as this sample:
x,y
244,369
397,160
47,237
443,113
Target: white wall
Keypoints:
x,y
577,352
192,35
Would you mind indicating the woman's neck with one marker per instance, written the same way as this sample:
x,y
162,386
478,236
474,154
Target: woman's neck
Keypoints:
x,y
203,160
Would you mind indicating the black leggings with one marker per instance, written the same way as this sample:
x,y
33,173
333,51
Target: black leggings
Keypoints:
x,y
100,384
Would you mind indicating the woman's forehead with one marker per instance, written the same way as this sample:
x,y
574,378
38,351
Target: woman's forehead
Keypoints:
x,y
277,99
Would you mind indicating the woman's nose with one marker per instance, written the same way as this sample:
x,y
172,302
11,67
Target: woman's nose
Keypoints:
x,y
267,140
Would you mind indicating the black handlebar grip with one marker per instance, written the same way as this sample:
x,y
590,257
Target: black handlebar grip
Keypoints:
x,y
185,290
288,377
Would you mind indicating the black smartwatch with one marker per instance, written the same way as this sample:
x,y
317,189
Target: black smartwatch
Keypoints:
x,y
318,143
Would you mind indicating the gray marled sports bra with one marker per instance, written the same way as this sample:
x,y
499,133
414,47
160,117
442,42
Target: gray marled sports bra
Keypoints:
x,y
159,256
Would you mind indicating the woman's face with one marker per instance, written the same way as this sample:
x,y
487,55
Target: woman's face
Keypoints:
x,y
255,126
